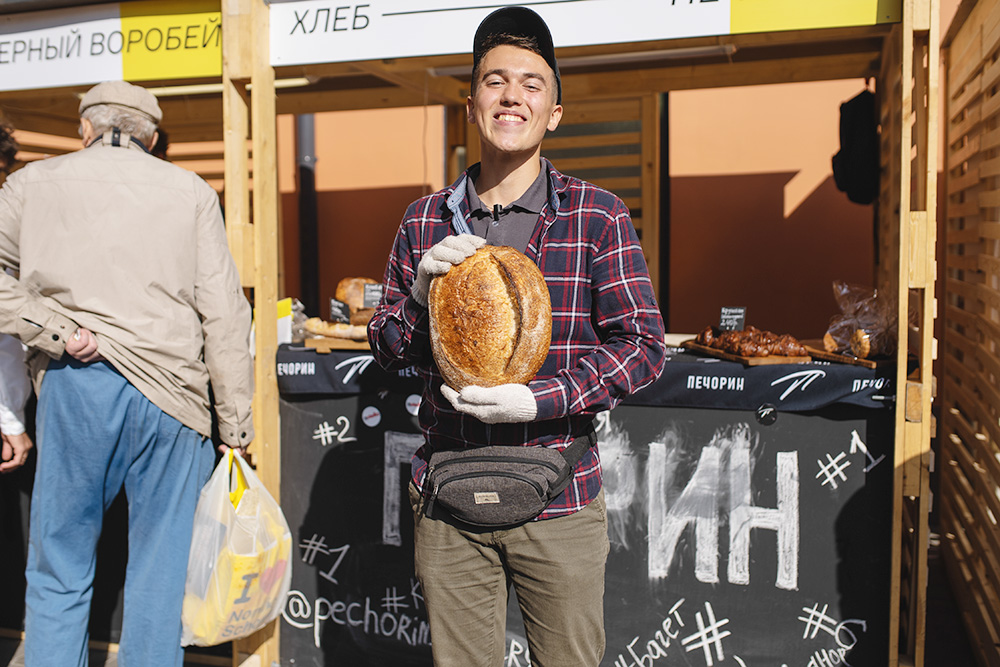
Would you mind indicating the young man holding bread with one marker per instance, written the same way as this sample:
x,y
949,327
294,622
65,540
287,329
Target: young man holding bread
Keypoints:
x,y
606,343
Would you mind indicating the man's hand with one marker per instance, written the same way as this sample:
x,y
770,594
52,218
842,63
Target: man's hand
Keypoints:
x,y
503,404
82,346
14,452
440,258
225,448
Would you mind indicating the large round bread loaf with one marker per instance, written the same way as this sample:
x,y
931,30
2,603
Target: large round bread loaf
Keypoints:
x,y
490,319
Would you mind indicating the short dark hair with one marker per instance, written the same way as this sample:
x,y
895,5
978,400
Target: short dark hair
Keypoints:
x,y
503,39
8,147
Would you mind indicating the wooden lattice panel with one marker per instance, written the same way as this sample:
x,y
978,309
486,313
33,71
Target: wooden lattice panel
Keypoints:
x,y
970,432
615,145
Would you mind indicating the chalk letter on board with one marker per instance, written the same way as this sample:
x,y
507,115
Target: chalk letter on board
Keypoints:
x,y
398,450
697,504
744,516
620,482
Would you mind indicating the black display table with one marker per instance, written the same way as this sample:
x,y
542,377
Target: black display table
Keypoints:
x,y
749,515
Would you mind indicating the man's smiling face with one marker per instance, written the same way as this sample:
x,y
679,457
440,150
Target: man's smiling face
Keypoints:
x,y
514,101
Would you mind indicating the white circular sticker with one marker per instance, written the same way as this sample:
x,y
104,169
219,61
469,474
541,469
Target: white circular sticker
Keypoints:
x,y
371,416
413,404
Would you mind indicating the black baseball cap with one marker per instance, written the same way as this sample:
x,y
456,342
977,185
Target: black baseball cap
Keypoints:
x,y
520,22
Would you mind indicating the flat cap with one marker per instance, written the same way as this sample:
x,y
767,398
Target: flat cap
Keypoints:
x,y
123,94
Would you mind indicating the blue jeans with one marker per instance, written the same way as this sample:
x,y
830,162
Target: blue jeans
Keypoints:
x,y
97,433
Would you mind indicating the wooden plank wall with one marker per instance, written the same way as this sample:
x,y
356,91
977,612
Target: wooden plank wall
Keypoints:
x,y
615,144
205,158
969,494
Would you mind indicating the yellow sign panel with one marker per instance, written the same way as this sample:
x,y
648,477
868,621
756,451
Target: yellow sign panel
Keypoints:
x,y
768,15
166,39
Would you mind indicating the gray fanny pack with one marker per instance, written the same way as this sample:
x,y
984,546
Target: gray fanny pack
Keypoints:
x,y
500,486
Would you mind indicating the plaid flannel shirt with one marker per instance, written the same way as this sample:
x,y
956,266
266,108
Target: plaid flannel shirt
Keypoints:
x,y
607,331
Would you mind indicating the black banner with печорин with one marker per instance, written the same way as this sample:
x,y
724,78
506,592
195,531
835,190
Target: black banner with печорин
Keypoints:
x,y
692,380
688,380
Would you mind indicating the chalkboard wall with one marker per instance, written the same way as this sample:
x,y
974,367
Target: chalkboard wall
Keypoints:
x,y
733,542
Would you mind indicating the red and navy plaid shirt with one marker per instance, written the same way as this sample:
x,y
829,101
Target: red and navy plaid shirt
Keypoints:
x,y
607,332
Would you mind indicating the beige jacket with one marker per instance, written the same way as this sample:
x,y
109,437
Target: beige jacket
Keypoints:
x,y
133,248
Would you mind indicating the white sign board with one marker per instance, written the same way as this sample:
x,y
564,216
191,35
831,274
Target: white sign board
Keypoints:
x,y
51,49
134,41
318,31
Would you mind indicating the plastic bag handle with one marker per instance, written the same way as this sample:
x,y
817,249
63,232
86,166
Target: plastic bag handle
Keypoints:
x,y
238,483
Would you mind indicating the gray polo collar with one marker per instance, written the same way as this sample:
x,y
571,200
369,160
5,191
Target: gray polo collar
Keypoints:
x,y
532,201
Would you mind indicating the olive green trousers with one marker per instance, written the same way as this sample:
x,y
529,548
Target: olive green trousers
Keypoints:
x,y
555,566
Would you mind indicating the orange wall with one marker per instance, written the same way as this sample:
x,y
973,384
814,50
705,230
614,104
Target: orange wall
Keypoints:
x,y
369,166
755,219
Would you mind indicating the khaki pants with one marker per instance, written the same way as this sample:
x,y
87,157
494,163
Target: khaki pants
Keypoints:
x,y
556,567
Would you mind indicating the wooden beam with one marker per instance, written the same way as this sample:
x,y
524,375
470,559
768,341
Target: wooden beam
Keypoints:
x,y
42,124
300,101
719,75
445,90
651,109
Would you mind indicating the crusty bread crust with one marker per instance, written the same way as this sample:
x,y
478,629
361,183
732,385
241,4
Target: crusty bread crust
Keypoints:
x,y
490,319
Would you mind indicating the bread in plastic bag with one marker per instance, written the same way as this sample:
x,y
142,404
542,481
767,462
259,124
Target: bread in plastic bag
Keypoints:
x,y
867,324
239,571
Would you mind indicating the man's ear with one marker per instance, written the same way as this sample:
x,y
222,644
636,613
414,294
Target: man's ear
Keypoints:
x,y
86,131
468,110
557,112
152,142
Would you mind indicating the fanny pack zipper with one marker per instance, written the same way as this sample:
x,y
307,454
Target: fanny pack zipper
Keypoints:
x,y
512,475
491,459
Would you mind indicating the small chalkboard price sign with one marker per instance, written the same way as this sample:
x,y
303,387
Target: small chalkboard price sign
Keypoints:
x,y
373,294
732,318
339,311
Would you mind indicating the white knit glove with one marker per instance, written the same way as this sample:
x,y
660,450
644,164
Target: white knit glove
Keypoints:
x,y
503,404
440,258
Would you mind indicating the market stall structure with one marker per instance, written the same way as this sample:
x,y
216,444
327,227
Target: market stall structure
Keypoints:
x,y
320,56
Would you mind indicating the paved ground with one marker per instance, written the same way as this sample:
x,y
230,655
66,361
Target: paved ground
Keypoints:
x,y
947,645
12,655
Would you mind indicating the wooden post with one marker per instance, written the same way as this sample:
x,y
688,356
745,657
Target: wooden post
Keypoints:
x,y
915,176
247,59
236,71
650,114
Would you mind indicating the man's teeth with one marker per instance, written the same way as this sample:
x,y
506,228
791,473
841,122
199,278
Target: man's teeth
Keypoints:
x,y
507,116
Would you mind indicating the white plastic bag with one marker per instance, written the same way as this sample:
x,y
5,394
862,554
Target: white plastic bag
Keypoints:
x,y
239,571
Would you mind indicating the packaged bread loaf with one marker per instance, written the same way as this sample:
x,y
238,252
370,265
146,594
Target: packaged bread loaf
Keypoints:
x,y
866,325
352,292
490,319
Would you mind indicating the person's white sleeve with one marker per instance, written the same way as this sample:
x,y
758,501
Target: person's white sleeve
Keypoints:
x,y
15,387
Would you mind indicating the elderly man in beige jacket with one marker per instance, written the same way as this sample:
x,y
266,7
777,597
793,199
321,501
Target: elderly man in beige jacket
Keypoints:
x,y
131,306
